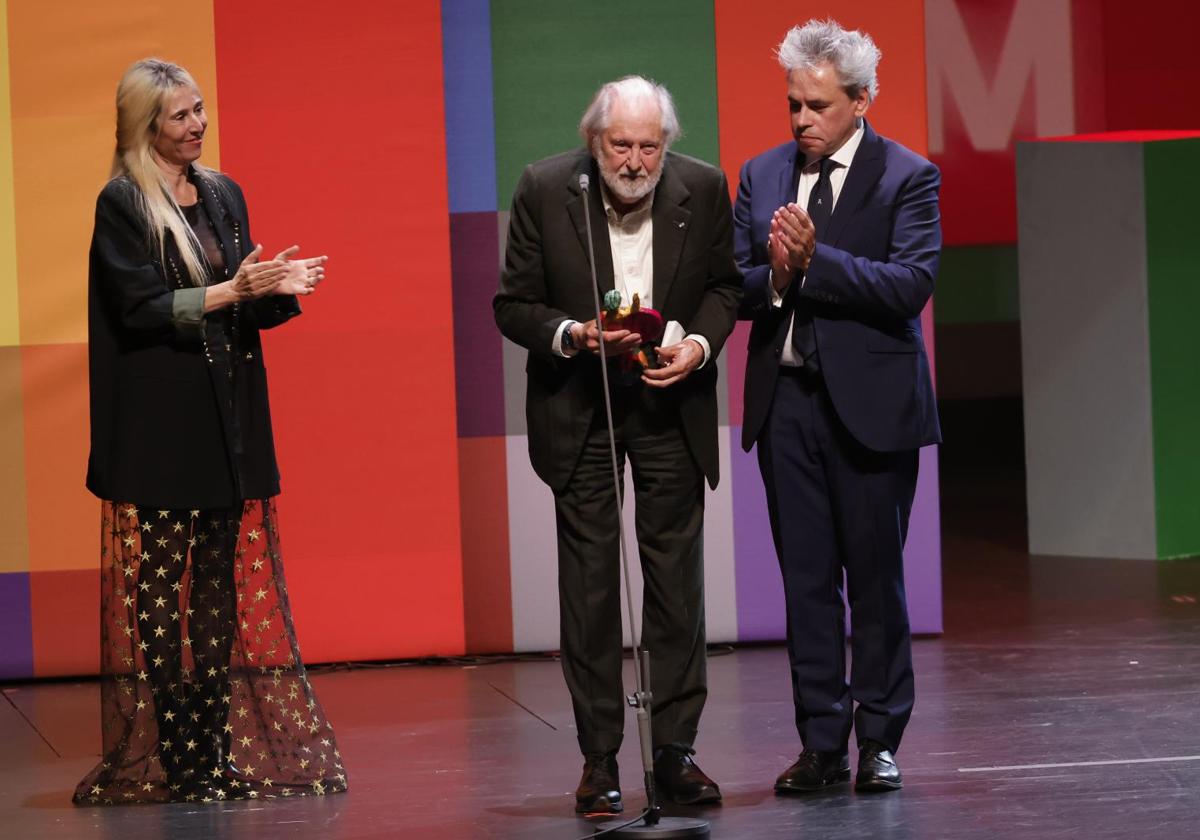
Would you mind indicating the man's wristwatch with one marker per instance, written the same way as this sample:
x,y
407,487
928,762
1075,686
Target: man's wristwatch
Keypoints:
x,y
568,340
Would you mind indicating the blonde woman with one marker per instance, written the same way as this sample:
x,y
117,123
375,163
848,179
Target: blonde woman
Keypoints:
x,y
204,696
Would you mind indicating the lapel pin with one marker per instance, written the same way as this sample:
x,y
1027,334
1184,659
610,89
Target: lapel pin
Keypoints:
x,y
681,224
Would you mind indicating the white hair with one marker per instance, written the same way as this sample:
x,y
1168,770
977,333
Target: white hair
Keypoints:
x,y
630,90
853,54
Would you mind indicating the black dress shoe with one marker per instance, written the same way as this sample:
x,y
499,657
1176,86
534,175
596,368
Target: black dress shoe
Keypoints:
x,y
599,790
877,768
678,778
814,770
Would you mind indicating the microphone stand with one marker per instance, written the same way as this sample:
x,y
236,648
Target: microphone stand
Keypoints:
x,y
652,823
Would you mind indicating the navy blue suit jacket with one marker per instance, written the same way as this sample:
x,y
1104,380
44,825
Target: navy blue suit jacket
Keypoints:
x,y
870,276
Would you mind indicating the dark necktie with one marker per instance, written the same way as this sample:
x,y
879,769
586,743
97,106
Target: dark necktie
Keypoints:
x,y
820,208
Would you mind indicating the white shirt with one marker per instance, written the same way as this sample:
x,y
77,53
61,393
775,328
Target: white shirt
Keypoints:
x,y
631,239
841,159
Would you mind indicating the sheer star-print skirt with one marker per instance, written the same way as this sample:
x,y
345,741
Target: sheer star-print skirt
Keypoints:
x,y
204,696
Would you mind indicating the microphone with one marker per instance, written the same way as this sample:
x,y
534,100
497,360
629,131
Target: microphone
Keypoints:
x,y
641,699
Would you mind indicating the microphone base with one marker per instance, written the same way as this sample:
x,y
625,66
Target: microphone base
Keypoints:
x,y
666,827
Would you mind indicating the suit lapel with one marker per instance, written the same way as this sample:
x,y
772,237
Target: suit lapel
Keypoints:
x,y
865,172
604,266
789,179
671,221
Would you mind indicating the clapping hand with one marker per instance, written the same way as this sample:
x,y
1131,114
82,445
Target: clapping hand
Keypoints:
x,y
790,244
300,277
256,279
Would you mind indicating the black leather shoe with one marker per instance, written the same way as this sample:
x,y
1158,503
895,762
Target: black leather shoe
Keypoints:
x,y
877,768
678,778
813,771
599,790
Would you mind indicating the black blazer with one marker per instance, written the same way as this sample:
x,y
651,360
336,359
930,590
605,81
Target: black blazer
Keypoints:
x,y
871,275
169,427
546,279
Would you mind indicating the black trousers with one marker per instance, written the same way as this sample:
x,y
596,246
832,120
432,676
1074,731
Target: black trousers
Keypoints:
x,y
669,499
838,509
186,624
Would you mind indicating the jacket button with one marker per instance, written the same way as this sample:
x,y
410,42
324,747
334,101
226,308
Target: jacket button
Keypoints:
x,y
778,352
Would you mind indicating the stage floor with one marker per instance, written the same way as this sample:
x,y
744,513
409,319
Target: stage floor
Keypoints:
x,y
1061,702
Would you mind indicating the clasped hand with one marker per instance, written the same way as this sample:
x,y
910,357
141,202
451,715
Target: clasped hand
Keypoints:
x,y
678,360
616,342
279,276
790,244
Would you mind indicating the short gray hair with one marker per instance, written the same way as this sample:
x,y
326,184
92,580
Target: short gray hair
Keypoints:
x,y
853,54
629,89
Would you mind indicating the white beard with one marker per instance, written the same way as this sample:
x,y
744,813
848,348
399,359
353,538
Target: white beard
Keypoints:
x,y
629,189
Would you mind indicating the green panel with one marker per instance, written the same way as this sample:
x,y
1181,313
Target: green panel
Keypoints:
x,y
1173,262
977,284
550,56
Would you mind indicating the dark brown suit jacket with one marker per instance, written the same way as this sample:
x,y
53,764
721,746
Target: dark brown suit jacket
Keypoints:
x,y
546,279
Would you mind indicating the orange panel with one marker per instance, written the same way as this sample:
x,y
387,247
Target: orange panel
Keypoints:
x,y
752,89
14,534
62,515
66,618
65,59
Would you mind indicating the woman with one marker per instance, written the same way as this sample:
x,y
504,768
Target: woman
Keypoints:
x,y
204,696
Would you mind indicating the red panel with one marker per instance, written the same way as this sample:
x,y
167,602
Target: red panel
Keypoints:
x,y
1123,137
332,120
487,580
752,88
1150,54
66,618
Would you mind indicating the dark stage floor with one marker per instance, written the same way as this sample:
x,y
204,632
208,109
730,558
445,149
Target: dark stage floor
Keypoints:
x,y
1061,702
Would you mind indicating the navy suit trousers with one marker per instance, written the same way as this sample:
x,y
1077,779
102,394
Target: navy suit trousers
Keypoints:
x,y
839,516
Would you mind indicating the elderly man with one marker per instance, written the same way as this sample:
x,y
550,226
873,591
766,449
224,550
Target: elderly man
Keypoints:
x,y
663,231
837,234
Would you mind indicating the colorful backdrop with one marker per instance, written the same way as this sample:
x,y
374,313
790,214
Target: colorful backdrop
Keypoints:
x,y
390,136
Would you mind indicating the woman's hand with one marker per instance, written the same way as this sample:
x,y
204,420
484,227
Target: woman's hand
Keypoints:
x,y
300,277
256,279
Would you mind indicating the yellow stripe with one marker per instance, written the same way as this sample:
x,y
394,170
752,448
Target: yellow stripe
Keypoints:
x,y
10,324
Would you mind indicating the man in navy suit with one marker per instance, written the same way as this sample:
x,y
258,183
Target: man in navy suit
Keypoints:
x,y
837,234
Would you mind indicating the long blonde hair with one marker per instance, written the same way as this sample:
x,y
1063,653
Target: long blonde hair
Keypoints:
x,y
140,98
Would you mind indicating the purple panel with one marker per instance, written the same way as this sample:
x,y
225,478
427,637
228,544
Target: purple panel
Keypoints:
x,y
16,627
760,602
923,551
478,363
759,584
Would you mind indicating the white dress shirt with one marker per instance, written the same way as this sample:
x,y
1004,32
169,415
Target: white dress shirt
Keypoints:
x,y
631,238
841,159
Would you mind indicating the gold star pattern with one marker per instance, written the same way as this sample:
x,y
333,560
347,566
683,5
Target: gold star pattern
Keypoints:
x,y
223,669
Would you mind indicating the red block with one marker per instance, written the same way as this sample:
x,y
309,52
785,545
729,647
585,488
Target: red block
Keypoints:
x,y
66,619
332,120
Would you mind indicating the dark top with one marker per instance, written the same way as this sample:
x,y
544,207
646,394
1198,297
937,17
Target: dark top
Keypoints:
x,y
198,219
180,416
